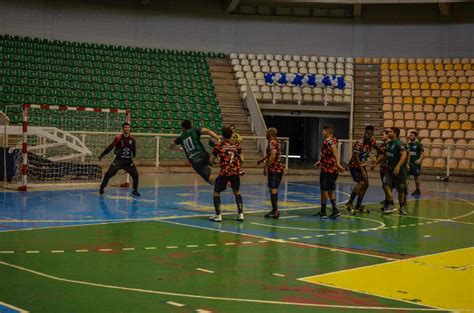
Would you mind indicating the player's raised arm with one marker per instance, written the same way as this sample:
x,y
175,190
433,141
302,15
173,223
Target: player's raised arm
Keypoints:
x,y
206,131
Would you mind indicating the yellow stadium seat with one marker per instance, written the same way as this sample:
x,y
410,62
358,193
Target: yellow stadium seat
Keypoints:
x,y
404,79
449,109
397,100
431,117
400,123
464,86
425,86
466,126
394,73
463,117
420,66
453,101
464,164
442,116
410,124
457,67
444,125
467,67
446,134
436,86
416,93
407,108
393,66
471,87
409,116
395,79
429,100
427,162
439,67
402,66
396,86
408,100
405,86
440,163
387,107
386,85
388,123
388,115
424,133
384,66
411,66
448,67
455,125
415,86
398,116
454,86
418,100
420,116
441,100
430,66
445,86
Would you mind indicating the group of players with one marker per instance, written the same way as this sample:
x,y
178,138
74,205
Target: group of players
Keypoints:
x,y
398,159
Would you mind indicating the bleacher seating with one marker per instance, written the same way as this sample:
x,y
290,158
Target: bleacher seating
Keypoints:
x,y
161,87
434,96
252,67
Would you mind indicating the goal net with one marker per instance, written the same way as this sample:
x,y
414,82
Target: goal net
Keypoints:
x,y
50,150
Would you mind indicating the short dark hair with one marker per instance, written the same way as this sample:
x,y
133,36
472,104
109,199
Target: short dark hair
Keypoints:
x,y
329,128
369,127
186,124
227,132
414,132
396,130
385,132
125,124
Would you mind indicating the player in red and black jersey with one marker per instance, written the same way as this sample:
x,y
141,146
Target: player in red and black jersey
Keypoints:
x,y
125,150
330,168
231,157
360,154
273,169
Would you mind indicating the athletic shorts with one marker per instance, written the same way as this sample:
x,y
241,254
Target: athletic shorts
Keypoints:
x,y
221,183
327,181
201,166
415,170
356,174
399,182
274,180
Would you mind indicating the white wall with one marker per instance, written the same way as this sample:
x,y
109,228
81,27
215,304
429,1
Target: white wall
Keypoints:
x,y
202,29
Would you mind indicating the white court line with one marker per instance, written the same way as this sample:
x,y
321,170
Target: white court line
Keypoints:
x,y
211,244
57,251
32,252
289,216
82,250
172,247
150,248
204,270
105,250
128,249
175,303
192,246
279,275
13,307
78,282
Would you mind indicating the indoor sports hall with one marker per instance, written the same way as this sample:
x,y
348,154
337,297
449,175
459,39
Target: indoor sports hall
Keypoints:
x,y
263,156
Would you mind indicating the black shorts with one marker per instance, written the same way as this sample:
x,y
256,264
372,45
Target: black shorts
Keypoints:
x,y
201,166
415,170
327,181
221,183
274,180
356,174
399,182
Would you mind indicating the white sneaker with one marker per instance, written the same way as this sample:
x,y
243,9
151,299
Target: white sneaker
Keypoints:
x,y
240,217
216,218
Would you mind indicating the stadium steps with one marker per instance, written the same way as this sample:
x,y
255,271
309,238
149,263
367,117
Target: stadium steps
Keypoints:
x,y
232,109
368,99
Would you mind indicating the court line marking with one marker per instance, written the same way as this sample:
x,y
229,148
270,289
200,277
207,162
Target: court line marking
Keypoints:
x,y
13,307
281,240
325,229
175,303
79,282
412,260
204,270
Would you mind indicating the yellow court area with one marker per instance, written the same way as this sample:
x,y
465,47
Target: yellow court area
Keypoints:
x,y
443,280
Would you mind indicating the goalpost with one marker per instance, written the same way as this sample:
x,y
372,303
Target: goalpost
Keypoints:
x,y
50,153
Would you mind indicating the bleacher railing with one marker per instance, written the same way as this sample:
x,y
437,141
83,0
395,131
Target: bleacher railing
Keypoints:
x,y
446,152
258,126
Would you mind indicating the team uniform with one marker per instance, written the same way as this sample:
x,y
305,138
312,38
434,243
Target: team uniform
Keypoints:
x,y
415,149
275,170
198,157
329,171
363,148
228,154
384,164
393,154
124,150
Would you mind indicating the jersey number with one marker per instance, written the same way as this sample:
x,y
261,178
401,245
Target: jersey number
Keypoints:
x,y
188,144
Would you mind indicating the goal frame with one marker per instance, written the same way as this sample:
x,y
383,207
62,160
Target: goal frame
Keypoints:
x,y
25,118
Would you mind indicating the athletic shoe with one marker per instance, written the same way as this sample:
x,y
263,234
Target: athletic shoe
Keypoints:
x,y
363,209
321,214
216,218
240,217
276,215
136,193
101,191
241,173
388,209
270,214
403,210
350,208
416,193
334,214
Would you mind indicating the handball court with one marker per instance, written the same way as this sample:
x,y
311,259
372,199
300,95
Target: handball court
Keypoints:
x,y
73,250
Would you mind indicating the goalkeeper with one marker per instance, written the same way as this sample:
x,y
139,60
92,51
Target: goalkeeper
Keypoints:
x,y
125,151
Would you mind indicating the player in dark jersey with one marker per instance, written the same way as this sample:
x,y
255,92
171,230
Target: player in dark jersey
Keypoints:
x,y
125,151
381,155
417,153
396,176
231,157
190,141
357,166
330,168
273,170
